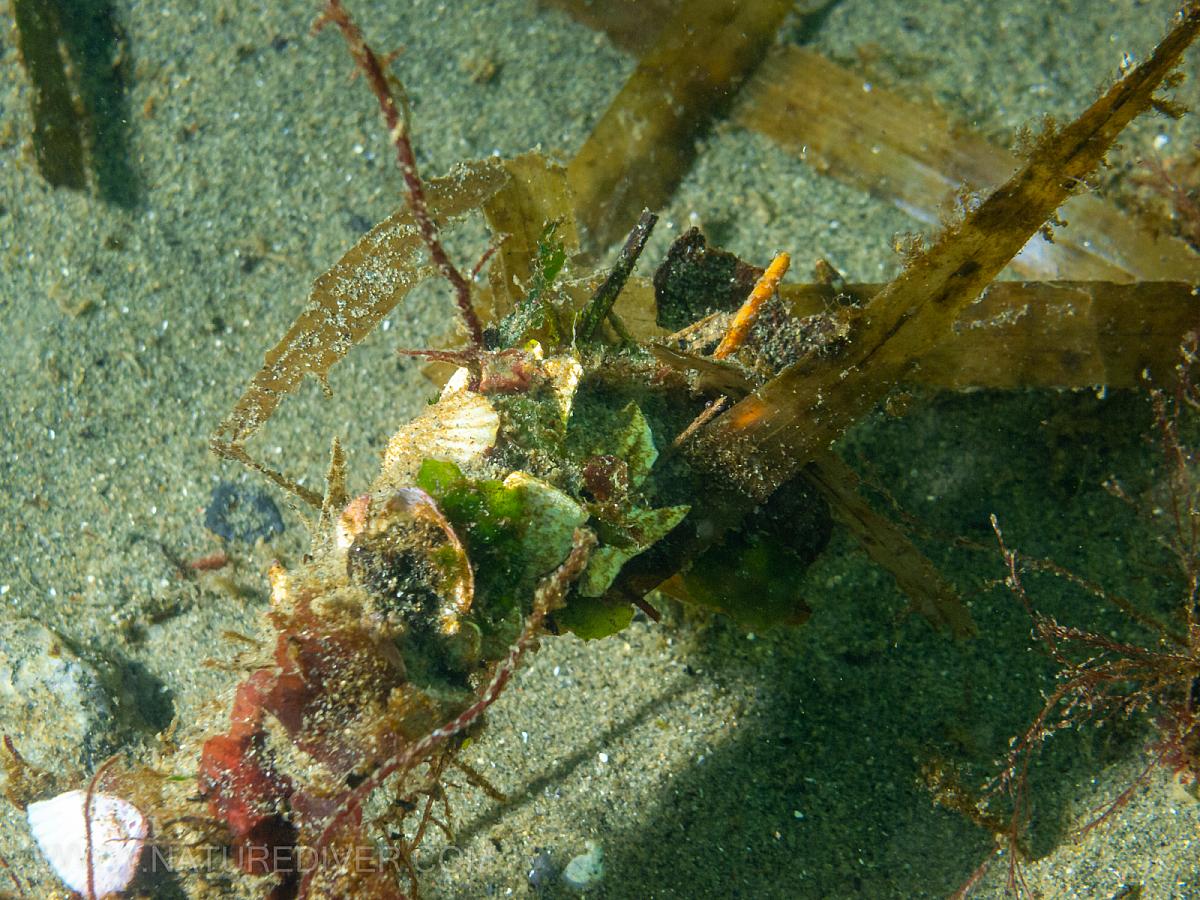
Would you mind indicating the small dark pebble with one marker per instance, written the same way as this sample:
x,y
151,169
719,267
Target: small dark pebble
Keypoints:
x,y
360,224
240,513
542,871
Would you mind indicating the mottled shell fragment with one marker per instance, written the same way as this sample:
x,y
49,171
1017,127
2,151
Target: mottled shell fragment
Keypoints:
x,y
565,373
118,833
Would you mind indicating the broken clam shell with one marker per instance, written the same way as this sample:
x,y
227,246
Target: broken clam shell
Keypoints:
x,y
118,833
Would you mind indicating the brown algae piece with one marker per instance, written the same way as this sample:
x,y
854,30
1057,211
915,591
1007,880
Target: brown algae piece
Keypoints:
x,y
767,437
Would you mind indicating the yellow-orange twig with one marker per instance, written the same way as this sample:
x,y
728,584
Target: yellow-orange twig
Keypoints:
x,y
744,318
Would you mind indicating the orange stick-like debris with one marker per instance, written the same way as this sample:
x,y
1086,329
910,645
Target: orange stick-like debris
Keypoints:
x,y
744,318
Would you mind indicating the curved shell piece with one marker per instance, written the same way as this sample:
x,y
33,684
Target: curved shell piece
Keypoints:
x,y
458,428
416,503
384,515
119,831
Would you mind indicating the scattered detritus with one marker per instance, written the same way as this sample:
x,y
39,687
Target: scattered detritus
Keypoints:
x,y
543,455
568,469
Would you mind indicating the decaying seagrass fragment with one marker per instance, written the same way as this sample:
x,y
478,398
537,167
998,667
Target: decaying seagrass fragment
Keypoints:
x,y
77,60
58,127
1020,334
765,439
1047,334
931,596
632,25
917,158
768,437
909,153
534,197
346,303
517,215
1068,334
635,25
644,143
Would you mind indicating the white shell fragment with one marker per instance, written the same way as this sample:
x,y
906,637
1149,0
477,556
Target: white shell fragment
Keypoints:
x,y
118,833
458,428
565,373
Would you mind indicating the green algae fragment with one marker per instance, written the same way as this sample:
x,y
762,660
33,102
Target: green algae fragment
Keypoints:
x,y
591,618
637,530
635,445
486,510
753,579
625,434
536,313
551,519
626,529
489,520
436,477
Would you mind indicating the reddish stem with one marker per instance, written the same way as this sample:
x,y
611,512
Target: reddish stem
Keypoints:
x,y
372,69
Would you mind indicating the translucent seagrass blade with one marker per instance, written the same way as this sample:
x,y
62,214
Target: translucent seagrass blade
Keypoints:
x,y
916,157
354,295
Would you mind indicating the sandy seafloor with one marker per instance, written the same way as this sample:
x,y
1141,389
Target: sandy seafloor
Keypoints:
x,y
706,762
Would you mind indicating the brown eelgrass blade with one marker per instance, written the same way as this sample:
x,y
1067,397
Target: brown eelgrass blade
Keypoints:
x,y
632,25
643,144
1047,334
931,595
767,437
600,306
1064,334
1020,334
914,156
